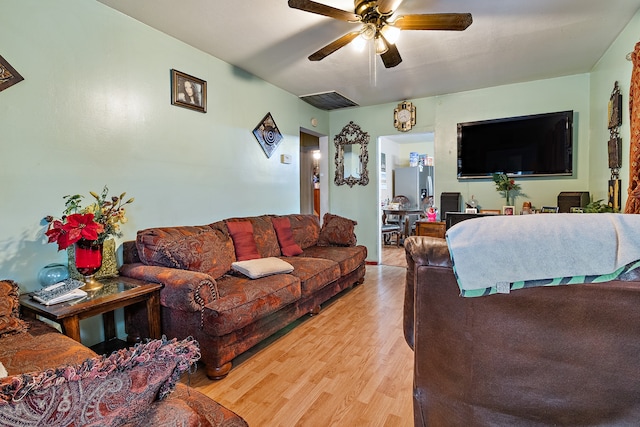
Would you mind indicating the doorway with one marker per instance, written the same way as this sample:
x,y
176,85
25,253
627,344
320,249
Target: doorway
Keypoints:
x,y
314,197
394,153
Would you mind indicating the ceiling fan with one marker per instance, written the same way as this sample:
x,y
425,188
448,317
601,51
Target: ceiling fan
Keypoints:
x,y
377,25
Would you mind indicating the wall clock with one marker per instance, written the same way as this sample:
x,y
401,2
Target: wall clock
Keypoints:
x,y
404,116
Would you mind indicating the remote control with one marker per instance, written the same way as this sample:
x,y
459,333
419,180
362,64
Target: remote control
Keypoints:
x,y
50,292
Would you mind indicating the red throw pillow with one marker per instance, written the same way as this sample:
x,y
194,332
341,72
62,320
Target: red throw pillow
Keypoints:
x,y
243,242
288,246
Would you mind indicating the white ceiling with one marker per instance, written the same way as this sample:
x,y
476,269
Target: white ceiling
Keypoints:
x,y
509,41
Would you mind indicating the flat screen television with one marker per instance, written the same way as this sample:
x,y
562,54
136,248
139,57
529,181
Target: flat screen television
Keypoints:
x,y
535,145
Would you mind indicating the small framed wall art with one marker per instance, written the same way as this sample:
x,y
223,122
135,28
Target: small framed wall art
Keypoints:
x,y
188,91
8,75
268,135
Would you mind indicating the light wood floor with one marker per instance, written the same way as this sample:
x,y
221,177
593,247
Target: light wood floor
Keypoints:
x,y
347,366
393,255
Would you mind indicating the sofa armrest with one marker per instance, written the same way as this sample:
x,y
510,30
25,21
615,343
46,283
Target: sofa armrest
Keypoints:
x,y
103,390
188,406
425,250
421,251
183,289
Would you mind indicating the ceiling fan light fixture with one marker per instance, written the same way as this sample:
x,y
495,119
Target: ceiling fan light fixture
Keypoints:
x,y
368,31
381,46
390,33
359,43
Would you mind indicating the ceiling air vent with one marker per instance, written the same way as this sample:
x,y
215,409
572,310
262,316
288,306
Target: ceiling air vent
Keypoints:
x,y
328,100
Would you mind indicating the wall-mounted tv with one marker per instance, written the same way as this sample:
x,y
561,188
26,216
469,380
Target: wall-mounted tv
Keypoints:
x,y
535,145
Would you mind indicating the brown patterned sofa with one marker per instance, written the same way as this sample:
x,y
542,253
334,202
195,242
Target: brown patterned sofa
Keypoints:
x,y
563,355
227,312
48,379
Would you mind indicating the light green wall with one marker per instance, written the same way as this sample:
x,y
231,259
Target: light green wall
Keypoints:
x,y
612,67
565,93
95,109
441,114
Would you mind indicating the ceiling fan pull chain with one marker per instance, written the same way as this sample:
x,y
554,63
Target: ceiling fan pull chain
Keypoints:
x,y
373,75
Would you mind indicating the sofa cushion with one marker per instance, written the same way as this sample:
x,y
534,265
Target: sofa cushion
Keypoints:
x,y
337,230
263,234
314,273
10,321
262,267
243,301
242,234
196,248
349,258
288,246
305,229
101,390
40,347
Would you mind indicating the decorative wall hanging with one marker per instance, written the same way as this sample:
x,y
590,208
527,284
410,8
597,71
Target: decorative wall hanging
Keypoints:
x,y
633,192
614,111
188,91
8,75
351,156
268,135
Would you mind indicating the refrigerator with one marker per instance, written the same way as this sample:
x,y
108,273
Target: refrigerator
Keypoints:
x,y
414,182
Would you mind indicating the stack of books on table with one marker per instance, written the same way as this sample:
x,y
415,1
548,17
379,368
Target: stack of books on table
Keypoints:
x,y
66,290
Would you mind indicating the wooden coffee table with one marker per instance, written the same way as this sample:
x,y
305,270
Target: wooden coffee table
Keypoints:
x,y
117,292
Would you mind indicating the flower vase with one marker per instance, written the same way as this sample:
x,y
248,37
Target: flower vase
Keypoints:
x,y
88,260
109,261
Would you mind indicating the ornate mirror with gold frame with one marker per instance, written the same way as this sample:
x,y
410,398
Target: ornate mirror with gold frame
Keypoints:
x,y
351,156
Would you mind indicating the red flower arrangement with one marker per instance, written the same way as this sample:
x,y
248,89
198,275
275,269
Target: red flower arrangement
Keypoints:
x,y
77,226
95,222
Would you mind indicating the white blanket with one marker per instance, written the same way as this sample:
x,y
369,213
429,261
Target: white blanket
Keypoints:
x,y
491,251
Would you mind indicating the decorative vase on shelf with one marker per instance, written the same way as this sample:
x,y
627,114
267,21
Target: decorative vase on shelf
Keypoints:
x,y
88,260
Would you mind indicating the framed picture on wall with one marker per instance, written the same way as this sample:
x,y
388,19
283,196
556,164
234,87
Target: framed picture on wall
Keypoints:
x,y
188,91
8,75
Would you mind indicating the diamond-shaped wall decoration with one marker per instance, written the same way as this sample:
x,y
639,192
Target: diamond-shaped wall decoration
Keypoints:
x,y
268,135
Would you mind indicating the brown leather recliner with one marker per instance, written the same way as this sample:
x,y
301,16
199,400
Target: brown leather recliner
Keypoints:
x,y
544,356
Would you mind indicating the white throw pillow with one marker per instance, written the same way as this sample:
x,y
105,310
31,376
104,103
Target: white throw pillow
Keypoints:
x,y
3,371
261,267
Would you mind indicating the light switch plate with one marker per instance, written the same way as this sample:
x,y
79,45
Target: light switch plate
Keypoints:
x,y
285,158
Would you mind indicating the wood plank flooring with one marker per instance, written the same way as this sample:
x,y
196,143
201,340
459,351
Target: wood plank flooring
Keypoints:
x,y
347,366
393,255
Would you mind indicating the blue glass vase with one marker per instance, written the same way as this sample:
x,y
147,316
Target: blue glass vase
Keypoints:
x,y
52,273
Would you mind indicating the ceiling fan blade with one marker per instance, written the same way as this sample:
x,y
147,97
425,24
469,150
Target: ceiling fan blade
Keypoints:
x,y
387,6
333,46
434,21
391,57
322,9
